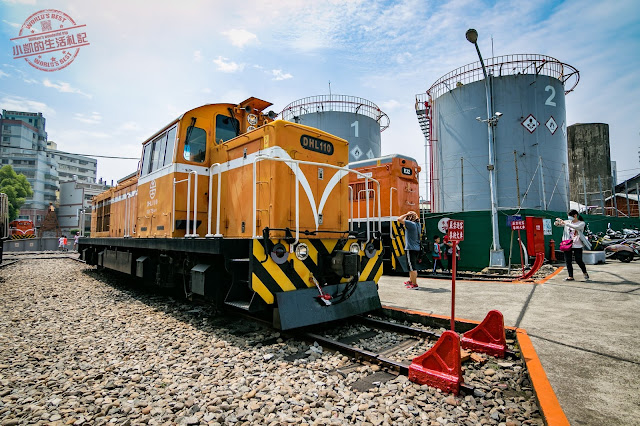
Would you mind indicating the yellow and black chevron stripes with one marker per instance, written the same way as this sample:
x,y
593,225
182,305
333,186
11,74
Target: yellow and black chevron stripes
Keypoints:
x,y
268,278
397,239
21,236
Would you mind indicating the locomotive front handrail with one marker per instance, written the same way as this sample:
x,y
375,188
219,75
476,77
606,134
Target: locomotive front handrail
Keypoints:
x,y
126,215
195,204
367,198
219,169
391,208
311,163
351,209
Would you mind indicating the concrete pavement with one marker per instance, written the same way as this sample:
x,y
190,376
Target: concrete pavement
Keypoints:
x,y
586,333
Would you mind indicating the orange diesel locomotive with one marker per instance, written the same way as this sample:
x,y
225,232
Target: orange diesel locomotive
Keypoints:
x,y
399,193
21,228
245,211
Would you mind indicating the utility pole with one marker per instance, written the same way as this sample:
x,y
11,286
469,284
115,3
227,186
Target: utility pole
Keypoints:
x,y
496,257
515,159
462,181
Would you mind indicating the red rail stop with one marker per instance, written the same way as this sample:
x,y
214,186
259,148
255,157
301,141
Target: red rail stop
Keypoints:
x,y
488,337
440,366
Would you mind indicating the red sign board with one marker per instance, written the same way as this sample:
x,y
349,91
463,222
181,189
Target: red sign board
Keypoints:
x,y
518,225
456,230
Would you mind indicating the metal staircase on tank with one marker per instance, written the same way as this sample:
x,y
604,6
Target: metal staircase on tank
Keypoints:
x,y
422,111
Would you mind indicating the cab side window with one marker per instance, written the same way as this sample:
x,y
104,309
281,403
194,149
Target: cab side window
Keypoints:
x,y
226,128
146,159
171,140
195,145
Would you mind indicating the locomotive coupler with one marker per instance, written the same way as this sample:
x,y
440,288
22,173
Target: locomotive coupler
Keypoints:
x,y
323,297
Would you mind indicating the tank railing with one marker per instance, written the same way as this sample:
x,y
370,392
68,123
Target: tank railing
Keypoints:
x,y
218,167
195,206
338,103
518,64
296,170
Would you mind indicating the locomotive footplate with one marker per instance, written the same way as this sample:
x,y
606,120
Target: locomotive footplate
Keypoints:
x,y
301,307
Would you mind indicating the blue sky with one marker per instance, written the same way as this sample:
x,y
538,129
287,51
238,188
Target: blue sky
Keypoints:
x,y
150,61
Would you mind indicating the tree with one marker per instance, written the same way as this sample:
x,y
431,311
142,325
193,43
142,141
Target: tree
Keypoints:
x,y
17,188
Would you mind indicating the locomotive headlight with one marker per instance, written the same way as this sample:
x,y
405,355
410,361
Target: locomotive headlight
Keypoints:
x,y
370,250
354,248
279,254
302,251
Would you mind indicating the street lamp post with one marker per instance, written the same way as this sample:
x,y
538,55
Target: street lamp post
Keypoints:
x,y
496,254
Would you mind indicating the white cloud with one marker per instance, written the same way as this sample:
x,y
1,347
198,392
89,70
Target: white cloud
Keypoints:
x,y
63,87
197,56
390,105
18,103
279,75
129,126
20,1
3,74
225,65
13,24
93,118
240,37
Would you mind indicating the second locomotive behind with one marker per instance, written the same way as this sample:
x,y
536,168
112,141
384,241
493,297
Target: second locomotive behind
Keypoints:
x,y
243,210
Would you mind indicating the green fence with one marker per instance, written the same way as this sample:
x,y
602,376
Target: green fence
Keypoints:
x,y
477,232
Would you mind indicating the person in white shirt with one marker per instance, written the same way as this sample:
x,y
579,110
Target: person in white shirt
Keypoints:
x,y
574,230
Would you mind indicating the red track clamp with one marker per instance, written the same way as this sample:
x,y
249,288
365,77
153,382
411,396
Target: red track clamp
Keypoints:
x,y
440,366
536,266
488,337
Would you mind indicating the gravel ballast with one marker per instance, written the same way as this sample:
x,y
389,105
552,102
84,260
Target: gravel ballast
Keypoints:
x,y
79,347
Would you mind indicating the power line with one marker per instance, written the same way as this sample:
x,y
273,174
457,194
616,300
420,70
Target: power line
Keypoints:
x,y
73,153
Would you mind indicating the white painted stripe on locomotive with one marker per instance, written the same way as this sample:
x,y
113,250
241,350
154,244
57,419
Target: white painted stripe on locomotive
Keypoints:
x,y
274,152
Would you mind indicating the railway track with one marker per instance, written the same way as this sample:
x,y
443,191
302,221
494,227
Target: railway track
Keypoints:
x,y
352,337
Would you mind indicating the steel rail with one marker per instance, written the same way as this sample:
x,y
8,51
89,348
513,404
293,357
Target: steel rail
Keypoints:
x,y
365,355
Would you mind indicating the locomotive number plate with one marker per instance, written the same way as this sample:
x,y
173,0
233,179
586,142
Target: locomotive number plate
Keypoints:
x,y
317,145
406,171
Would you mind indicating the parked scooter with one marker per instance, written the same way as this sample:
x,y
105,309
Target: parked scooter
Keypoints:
x,y
622,252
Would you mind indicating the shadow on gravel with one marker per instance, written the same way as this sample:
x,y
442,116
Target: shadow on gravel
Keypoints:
x,y
198,313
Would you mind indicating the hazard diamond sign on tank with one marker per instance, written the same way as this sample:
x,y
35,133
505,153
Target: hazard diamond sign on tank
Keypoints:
x,y
551,125
530,123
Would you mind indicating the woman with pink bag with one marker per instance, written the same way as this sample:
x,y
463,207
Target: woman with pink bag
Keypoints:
x,y
573,242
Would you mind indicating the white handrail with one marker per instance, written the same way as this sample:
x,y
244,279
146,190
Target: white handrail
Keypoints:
x,y
297,208
195,204
173,224
312,163
363,190
126,215
391,209
187,229
217,234
351,206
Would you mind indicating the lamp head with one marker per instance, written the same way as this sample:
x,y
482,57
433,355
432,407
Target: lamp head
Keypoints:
x,y
498,114
472,35
479,119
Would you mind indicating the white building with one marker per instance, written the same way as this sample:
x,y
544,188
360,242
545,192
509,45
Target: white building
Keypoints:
x,y
70,165
75,197
23,147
